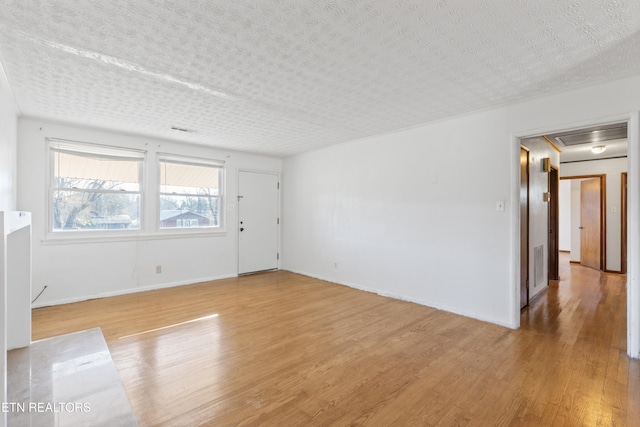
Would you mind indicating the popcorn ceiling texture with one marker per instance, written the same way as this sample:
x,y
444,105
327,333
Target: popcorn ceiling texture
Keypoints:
x,y
281,77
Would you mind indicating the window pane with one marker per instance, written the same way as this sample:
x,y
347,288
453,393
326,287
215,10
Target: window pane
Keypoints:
x,y
94,172
185,178
85,210
189,211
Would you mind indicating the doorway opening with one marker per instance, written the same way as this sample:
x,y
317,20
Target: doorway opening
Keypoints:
x,y
587,219
614,168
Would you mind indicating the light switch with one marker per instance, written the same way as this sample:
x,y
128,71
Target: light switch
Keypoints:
x,y
500,206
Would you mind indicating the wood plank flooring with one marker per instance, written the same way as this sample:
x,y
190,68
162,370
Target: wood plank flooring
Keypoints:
x,y
283,349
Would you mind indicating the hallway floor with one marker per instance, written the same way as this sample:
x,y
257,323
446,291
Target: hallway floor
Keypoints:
x,y
581,325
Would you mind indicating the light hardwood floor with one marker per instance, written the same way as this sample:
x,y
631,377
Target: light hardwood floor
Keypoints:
x,y
283,349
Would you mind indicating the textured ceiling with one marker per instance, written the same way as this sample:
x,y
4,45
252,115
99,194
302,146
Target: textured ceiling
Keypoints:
x,y
286,76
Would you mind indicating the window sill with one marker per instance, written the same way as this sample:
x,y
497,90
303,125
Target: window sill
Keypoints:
x,y
160,235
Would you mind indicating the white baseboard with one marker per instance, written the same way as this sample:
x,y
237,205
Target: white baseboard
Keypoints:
x,y
131,291
400,297
304,273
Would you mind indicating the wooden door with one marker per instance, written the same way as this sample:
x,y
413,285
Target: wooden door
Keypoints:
x,y
590,223
258,221
623,228
554,242
524,227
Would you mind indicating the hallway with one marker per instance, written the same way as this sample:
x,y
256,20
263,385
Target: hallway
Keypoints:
x,y
581,324
587,304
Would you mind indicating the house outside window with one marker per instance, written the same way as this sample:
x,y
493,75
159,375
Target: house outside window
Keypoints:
x,y
94,188
190,192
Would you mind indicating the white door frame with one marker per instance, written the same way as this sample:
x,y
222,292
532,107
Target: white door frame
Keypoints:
x,y
633,227
279,237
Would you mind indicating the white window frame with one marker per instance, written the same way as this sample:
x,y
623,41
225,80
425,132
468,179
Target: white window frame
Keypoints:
x,y
195,161
56,144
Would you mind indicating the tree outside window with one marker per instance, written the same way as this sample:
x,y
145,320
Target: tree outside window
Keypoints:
x,y
95,188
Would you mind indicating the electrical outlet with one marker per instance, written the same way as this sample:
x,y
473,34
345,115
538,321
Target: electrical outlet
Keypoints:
x,y
158,269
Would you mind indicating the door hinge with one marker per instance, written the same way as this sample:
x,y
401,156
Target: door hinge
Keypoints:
x,y
278,221
278,186
278,255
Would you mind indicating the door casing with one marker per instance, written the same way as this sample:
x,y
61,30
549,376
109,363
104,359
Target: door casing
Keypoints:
x,y
554,244
524,227
623,222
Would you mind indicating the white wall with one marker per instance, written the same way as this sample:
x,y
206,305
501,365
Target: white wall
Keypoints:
x,y
8,120
77,271
8,191
412,214
564,220
613,169
538,208
401,214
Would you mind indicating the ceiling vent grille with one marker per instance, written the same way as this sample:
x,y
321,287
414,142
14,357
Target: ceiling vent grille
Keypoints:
x,y
590,135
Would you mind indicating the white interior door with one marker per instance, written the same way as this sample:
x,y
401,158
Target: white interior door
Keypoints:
x,y
258,221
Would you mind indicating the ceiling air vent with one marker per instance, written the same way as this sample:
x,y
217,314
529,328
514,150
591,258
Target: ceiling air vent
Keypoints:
x,y
590,135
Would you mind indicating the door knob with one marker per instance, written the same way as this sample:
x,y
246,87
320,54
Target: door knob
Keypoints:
x,y
241,229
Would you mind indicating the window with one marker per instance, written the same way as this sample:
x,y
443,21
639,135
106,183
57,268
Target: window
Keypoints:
x,y
190,192
94,187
